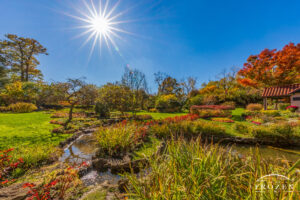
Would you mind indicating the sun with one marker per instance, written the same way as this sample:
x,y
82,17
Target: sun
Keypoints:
x,y
100,23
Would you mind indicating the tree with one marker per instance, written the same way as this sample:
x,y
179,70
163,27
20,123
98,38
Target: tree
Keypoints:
x,y
21,56
227,81
170,86
159,77
272,67
136,81
73,91
3,77
116,96
89,94
189,85
3,72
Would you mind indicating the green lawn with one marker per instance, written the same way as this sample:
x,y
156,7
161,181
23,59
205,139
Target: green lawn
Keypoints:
x,y
30,135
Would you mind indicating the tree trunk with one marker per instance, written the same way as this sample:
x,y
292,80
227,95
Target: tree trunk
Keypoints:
x,y
22,73
27,73
70,116
71,113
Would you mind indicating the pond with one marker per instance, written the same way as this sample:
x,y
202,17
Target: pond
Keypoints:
x,y
85,146
268,152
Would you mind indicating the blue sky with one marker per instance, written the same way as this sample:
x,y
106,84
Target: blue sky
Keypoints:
x,y
182,38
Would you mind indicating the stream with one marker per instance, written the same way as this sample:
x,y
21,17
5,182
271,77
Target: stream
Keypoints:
x,y
83,148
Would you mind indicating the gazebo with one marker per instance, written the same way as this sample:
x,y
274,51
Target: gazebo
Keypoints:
x,y
289,93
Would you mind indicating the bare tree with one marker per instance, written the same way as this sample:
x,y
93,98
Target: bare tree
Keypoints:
x,y
136,81
227,80
189,84
159,78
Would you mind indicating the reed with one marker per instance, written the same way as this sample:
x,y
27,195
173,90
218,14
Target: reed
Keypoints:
x,y
191,170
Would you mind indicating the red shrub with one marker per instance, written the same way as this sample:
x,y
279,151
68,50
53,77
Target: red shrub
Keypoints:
x,y
195,108
56,188
7,166
189,117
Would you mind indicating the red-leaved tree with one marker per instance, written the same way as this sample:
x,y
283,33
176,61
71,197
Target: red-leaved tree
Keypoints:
x,y
272,67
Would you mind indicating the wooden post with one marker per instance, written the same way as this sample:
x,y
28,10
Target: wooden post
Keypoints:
x,y
276,104
265,104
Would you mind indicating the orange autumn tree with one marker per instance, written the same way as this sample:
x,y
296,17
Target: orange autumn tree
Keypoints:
x,y
272,67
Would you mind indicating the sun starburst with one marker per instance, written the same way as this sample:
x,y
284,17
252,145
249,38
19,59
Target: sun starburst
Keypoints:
x,y
100,23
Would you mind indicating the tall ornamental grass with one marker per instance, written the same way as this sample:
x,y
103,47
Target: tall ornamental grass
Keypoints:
x,y
189,170
120,138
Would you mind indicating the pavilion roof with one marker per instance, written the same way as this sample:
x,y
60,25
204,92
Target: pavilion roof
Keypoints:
x,y
280,91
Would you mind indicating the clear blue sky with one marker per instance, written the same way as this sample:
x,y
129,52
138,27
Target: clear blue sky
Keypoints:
x,y
182,38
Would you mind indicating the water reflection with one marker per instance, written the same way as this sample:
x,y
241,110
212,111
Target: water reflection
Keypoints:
x,y
268,153
80,150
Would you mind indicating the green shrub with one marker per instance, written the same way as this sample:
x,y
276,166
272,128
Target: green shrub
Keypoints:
x,y
254,107
279,131
102,110
271,113
241,128
22,107
289,114
196,100
186,128
213,113
168,103
283,106
207,128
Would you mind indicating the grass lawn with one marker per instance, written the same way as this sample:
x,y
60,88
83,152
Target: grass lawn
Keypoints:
x,y
30,135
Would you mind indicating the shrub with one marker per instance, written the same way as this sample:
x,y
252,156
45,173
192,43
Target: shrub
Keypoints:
x,y
283,106
152,110
22,107
208,128
102,110
241,128
212,113
65,115
142,117
4,109
271,113
7,166
196,100
58,130
292,108
211,107
254,107
167,103
279,131
220,119
289,114
186,128
230,104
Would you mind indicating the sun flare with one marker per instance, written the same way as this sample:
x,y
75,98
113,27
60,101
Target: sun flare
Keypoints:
x,y
100,23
